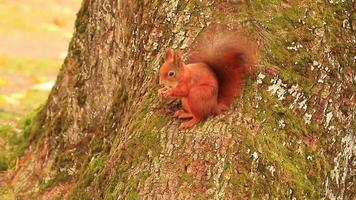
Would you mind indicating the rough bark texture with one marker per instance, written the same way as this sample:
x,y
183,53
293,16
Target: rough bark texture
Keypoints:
x,y
104,133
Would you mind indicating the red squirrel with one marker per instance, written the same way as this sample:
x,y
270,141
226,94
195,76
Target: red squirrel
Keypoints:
x,y
212,79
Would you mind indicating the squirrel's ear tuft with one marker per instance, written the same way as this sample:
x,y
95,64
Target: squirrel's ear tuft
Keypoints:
x,y
169,54
177,59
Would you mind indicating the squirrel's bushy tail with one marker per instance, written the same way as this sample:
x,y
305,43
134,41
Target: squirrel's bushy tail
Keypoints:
x,y
231,56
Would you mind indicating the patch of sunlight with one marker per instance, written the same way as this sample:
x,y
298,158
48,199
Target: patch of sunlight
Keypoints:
x,y
26,66
2,82
2,101
41,79
63,55
50,27
68,35
17,95
47,86
5,99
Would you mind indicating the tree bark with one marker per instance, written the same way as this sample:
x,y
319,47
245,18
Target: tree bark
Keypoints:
x,y
105,134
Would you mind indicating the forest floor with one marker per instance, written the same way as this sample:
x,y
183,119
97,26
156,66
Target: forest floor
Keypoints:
x,y
34,37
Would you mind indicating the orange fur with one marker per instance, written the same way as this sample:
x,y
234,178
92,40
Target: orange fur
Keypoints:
x,y
213,78
231,56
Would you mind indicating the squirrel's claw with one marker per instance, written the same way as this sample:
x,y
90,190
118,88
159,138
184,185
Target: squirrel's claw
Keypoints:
x,y
177,113
181,114
162,92
188,124
167,93
221,108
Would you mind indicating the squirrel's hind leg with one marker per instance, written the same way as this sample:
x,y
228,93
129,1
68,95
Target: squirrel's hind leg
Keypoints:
x,y
189,123
181,114
221,108
202,101
185,113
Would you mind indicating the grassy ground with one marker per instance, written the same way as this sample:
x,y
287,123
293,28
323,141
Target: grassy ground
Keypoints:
x,y
34,35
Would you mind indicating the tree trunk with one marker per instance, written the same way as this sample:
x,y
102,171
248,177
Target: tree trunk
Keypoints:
x,y
105,134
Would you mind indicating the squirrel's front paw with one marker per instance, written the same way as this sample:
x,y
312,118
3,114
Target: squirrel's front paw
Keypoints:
x,y
167,93
160,92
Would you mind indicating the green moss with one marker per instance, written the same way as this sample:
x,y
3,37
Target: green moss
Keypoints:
x,y
62,159
59,177
81,97
181,6
121,95
96,145
132,183
122,184
239,181
3,165
277,52
76,51
79,194
16,141
97,164
90,167
60,124
88,180
280,111
59,197
82,17
114,115
32,123
132,196
142,146
137,148
82,26
184,177
6,193
248,96
273,150
277,147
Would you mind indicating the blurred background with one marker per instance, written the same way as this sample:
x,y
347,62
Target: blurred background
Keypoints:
x,y
34,36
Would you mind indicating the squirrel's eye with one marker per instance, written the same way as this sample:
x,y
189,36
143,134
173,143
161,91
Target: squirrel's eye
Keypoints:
x,y
171,73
